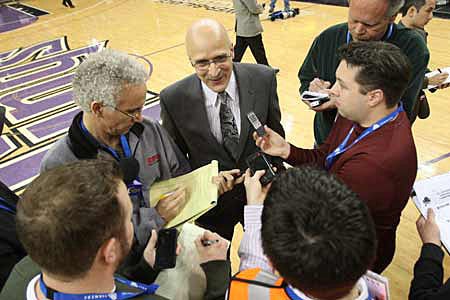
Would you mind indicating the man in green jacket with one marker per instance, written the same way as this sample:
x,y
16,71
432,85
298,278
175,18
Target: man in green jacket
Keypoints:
x,y
368,20
74,221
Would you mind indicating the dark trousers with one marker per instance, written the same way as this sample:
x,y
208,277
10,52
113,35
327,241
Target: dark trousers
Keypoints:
x,y
386,249
228,212
256,46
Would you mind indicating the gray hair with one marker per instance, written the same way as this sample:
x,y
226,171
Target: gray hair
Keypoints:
x,y
102,76
394,7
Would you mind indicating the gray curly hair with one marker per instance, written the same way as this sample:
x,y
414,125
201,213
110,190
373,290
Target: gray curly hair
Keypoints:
x,y
102,76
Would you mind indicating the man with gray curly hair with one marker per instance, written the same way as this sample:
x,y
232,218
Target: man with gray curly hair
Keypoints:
x,y
110,88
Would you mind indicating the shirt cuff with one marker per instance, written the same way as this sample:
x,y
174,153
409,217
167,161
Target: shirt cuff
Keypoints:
x,y
159,221
252,214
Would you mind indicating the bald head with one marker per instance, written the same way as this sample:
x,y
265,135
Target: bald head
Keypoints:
x,y
204,33
210,52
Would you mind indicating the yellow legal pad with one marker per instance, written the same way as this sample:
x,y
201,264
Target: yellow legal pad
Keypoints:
x,y
201,193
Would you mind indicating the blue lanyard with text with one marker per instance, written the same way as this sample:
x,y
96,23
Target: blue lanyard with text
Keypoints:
x,y
123,141
135,188
343,146
145,289
294,296
388,35
6,206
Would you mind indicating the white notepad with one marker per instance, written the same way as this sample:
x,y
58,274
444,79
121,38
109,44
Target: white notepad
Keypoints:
x,y
443,70
434,193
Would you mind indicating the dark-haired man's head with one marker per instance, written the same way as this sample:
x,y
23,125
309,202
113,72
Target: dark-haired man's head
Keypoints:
x,y
417,13
370,80
316,232
75,218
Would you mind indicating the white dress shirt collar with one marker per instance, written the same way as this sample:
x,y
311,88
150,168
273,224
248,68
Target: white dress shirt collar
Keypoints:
x,y
211,96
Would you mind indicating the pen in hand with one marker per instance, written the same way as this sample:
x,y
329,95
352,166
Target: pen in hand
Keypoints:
x,y
207,243
166,195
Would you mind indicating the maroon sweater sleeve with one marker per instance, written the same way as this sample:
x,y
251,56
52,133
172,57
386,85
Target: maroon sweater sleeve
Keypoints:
x,y
299,156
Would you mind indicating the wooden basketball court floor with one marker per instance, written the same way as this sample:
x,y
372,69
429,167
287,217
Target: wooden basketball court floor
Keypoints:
x,y
156,30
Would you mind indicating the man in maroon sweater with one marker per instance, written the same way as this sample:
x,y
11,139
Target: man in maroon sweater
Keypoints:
x,y
370,147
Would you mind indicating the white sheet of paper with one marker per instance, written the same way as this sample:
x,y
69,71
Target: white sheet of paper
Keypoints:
x,y
434,193
435,72
187,280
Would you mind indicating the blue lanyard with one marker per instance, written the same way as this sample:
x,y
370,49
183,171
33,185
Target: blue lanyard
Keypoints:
x,y
123,141
6,206
145,289
294,296
387,36
343,146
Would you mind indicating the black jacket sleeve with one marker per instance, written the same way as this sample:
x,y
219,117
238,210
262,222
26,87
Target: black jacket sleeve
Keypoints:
x,y
428,276
217,279
140,272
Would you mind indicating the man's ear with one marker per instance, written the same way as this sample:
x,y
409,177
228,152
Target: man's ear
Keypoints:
x,y
412,11
232,51
109,251
375,97
96,108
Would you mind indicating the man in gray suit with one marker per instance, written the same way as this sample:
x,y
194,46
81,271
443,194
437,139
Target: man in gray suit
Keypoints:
x,y
248,30
206,113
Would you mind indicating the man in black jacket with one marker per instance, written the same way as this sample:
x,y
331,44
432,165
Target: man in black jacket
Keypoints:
x,y
11,251
428,271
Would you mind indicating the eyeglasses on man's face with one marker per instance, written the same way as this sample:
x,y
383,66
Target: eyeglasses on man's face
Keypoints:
x,y
203,65
135,114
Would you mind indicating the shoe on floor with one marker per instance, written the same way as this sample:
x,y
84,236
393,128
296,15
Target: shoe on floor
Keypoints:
x,y
271,10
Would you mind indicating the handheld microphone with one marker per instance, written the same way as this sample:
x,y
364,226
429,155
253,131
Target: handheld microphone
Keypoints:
x,y
130,169
130,165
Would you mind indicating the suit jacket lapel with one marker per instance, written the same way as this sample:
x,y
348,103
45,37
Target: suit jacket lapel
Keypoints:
x,y
195,109
246,103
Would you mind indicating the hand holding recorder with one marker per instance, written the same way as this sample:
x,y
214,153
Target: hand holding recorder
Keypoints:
x,y
162,249
273,143
319,101
268,140
256,193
